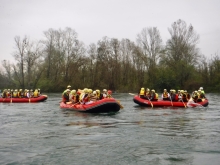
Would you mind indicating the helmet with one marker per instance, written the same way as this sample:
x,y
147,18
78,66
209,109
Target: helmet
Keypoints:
x,y
73,91
153,90
94,92
97,90
201,88
90,90
68,90
104,90
20,89
68,86
85,90
147,89
109,92
78,91
165,89
142,89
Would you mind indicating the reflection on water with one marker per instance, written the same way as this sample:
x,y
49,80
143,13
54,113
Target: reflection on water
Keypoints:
x,y
45,134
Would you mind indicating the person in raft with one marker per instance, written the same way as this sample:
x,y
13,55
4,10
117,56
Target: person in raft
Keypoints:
x,y
109,94
165,95
154,95
142,93
173,95
65,96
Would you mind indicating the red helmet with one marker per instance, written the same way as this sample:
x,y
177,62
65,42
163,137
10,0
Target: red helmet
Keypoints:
x,y
109,92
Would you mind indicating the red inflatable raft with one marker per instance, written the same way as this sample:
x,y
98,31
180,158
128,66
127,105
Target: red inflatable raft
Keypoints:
x,y
162,103
24,100
100,106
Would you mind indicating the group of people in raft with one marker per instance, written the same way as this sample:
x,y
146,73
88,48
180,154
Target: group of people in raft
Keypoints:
x,y
180,95
26,93
85,96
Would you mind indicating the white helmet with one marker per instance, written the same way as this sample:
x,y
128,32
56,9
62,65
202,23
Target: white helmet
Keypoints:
x,y
201,88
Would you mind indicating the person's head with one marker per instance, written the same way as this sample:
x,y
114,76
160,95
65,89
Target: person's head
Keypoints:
x,y
73,92
94,93
165,90
201,88
97,91
109,92
68,90
90,91
153,91
104,90
85,90
68,87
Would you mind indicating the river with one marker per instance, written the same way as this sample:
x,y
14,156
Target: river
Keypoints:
x,y
42,133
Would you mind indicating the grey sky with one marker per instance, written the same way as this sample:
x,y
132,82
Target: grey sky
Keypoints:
x,y
94,19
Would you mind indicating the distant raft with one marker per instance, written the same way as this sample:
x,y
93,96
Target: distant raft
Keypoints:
x,y
24,100
100,106
163,103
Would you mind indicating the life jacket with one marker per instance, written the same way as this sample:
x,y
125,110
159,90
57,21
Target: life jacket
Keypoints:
x,y
165,94
184,98
8,94
36,93
85,98
15,94
148,95
65,97
142,92
176,98
25,94
156,96
4,94
19,94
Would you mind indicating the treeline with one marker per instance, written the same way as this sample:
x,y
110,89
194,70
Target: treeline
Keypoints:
x,y
60,59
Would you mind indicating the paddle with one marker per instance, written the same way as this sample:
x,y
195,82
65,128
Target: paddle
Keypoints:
x,y
131,94
119,104
171,101
183,103
150,102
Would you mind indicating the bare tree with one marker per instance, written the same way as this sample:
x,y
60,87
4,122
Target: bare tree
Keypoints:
x,y
181,51
19,55
150,42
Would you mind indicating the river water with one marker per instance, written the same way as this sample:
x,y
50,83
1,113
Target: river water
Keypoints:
x,y
42,133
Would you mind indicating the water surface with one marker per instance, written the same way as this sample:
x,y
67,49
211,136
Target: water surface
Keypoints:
x,y
42,133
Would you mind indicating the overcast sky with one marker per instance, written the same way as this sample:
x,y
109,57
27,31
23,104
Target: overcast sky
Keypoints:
x,y
94,19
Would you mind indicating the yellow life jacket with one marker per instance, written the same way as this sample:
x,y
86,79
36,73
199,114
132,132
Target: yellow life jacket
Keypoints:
x,y
35,93
156,95
15,94
165,94
142,91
